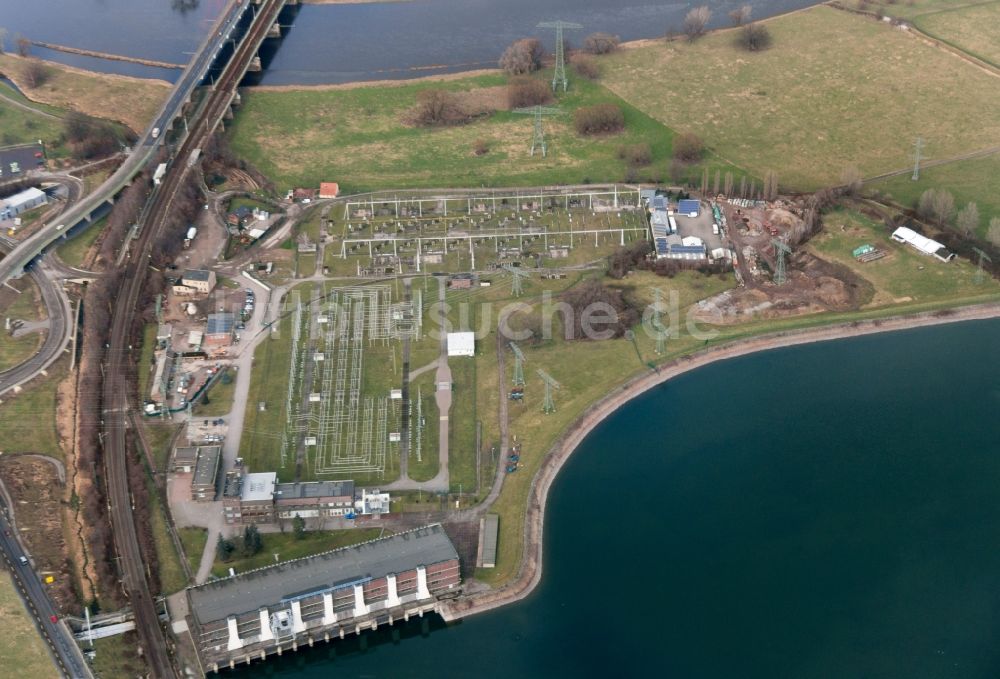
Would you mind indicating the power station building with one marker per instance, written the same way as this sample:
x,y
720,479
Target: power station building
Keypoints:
x,y
278,608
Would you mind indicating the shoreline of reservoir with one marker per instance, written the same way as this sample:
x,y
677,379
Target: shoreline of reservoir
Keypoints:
x,y
529,572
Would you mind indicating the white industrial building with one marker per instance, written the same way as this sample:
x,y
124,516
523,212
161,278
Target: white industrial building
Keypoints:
x,y
21,202
922,244
461,344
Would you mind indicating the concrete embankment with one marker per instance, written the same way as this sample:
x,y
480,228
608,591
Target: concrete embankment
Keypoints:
x,y
105,55
530,570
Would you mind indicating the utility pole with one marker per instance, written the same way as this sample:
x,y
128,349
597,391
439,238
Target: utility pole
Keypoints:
x,y
980,274
917,147
780,252
548,406
559,76
538,136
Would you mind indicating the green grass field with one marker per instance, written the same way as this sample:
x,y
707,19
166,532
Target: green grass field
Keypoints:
x,y
27,422
22,652
193,540
357,137
74,251
904,275
18,126
26,306
170,571
809,106
287,548
220,397
968,180
975,29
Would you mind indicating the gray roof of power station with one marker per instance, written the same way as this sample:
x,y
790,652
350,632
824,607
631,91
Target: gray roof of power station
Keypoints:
x,y
196,275
491,525
250,591
220,323
311,489
207,465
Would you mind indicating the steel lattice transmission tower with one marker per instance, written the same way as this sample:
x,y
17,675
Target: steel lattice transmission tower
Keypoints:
x,y
780,252
980,274
918,145
560,73
516,276
661,332
548,406
538,139
518,365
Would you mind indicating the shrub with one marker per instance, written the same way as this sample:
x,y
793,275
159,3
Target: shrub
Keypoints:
x,y
586,67
636,155
480,147
524,91
523,56
437,108
599,119
754,37
696,22
688,147
601,43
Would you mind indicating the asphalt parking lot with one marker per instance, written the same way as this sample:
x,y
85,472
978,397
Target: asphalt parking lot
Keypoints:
x,y
25,158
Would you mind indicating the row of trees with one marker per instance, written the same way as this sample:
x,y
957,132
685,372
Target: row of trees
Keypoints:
x,y
938,205
526,55
246,545
751,36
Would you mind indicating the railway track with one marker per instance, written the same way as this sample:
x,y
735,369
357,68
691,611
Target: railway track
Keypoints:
x,y
118,358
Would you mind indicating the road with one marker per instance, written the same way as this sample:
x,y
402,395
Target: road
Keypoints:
x,y
144,149
119,359
57,635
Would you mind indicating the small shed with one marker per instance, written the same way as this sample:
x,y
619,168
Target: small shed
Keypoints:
x,y
329,189
461,344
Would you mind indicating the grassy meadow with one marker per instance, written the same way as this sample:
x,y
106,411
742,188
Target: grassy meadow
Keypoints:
x,y
834,90
357,136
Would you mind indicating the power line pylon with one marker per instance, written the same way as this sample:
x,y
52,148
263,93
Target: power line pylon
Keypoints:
x,y
559,76
516,276
661,332
538,137
980,273
518,365
918,145
548,406
780,252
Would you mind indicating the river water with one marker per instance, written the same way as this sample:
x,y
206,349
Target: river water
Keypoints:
x,y
828,510
341,43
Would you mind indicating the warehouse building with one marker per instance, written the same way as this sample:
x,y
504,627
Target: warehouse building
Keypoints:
x,y
280,607
21,202
219,330
922,244
206,471
198,280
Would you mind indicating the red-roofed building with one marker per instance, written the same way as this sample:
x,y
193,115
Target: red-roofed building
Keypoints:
x,y
329,189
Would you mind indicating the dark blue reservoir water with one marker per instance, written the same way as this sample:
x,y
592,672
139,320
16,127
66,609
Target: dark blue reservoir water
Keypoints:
x,y
829,510
342,43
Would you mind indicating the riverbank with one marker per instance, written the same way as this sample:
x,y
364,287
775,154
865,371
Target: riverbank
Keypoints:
x,y
124,99
530,570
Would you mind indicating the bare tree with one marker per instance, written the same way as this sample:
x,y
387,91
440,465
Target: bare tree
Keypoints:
x,y
770,185
696,21
968,219
754,37
728,186
35,74
743,186
23,46
688,147
704,181
523,56
851,180
936,204
3,40
993,233
601,43
715,185
438,107
741,15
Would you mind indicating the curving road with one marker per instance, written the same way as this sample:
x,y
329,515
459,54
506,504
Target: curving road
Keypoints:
x,y
143,151
57,635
